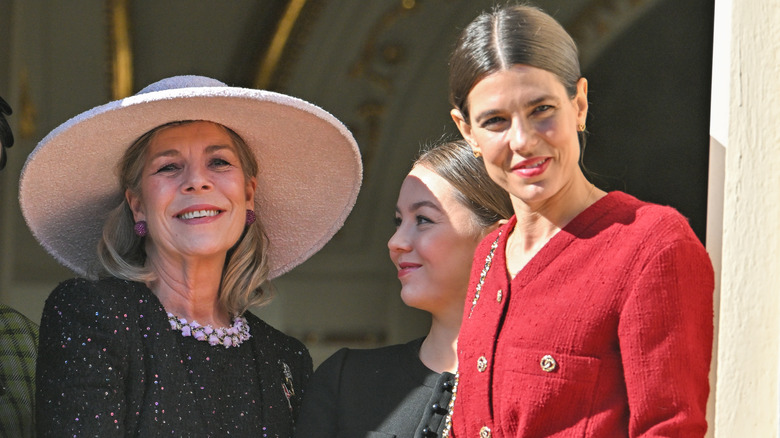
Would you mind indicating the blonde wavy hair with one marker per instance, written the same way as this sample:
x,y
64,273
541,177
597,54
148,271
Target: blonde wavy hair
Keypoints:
x,y
122,253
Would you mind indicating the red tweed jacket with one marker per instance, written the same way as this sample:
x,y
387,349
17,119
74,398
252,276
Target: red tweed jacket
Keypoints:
x,y
606,332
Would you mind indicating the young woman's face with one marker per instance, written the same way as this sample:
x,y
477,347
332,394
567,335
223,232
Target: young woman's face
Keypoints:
x,y
433,244
194,195
524,124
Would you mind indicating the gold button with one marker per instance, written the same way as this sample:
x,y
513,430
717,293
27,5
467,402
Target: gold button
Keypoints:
x,y
548,363
482,364
485,432
499,295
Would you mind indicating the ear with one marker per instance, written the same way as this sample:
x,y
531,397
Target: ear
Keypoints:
x,y
135,204
465,129
581,101
251,188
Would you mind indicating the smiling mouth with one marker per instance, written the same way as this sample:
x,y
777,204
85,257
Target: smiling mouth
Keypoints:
x,y
198,214
535,165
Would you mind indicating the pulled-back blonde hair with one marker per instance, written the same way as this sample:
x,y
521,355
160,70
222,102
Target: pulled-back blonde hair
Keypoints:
x,y
455,162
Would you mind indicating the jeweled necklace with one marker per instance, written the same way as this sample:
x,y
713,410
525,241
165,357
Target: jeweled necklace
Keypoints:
x,y
231,336
445,433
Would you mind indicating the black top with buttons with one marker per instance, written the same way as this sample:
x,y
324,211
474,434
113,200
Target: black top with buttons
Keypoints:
x,y
383,392
432,421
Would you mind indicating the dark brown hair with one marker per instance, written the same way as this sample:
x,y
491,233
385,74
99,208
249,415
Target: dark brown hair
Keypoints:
x,y
507,36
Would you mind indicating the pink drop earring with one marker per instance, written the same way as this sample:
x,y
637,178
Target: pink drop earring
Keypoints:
x,y
140,229
250,217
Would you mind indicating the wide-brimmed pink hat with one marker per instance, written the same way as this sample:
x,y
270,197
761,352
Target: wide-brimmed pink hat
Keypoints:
x,y
308,180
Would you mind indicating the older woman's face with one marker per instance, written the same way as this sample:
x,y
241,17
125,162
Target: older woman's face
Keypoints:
x,y
525,125
193,193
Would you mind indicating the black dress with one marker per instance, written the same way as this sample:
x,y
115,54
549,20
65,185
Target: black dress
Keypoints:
x,y
109,364
379,393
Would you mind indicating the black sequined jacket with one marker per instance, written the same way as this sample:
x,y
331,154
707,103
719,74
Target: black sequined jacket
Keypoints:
x,y
382,392
109,365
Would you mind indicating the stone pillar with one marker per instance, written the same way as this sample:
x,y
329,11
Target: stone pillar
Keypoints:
x,y
744,218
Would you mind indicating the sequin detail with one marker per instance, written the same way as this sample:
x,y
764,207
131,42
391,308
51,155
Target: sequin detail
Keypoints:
x,y
445,433
231,336
450,408
227,387
483,274
115,368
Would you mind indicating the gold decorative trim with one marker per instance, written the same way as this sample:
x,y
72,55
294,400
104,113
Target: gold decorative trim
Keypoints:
x,y
28,115
372,65
121,52
279,41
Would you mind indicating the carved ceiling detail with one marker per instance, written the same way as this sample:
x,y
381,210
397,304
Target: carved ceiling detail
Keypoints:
x,y
600,22
379,58
378,63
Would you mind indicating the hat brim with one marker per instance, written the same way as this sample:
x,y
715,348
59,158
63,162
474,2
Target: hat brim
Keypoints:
x,y
309,169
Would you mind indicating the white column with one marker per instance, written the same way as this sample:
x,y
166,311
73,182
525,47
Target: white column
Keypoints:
x,y
744,217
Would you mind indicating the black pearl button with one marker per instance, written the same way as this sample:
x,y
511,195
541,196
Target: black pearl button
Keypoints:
x,y
428,433
438,409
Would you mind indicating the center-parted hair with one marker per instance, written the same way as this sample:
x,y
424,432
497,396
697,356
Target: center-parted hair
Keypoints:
x,y
508,36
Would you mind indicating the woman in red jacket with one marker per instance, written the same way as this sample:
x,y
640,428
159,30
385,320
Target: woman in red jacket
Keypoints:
x,y
589,313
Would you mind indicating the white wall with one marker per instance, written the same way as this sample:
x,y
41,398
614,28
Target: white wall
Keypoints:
x,y
746,166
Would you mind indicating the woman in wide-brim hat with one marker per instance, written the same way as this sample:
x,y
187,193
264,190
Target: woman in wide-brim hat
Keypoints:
x,y
220,189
